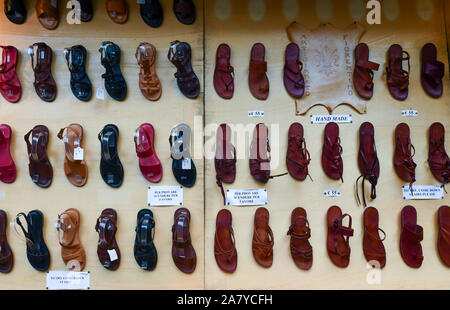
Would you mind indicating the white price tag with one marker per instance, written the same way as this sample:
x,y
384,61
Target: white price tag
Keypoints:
x,y
186,164
255,113
410,113
165,196
112,255
78,153
246,197
325,119
68,280
332,193
423,192
30,51
100,94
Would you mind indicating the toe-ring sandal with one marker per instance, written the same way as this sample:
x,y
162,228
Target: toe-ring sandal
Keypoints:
x,y
72,251
149,82
301,249
183,252
75,167
149,163
40,168
432,71
47,13
144,249
257,77
8,170
37,251
443,240
41,62
363,73
404,165
224,243
6,255
373,247
410,238
15,11
180,55
332,162
225,158
114,81
224,72
107,249
338,245
183,166
111,168
184,11
151,12
117,10
76,58
10,87
294,81
262,241
397,78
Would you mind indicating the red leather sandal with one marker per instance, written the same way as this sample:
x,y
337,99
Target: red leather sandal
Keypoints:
x,y
410,238
363,73
10,87
224,242
262,241
224,72
438,159
297,156
338,245
331,152
404,165
373,247
149,163
444,234
257,77
301,249
432,71
397,78
293,77
225,159
7,166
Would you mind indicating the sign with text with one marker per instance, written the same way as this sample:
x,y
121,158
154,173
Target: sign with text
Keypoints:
x,y
325,119
423,192
68,280
332,193
165,196
246,197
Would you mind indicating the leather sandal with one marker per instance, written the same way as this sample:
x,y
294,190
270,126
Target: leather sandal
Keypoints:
x,y
40,168
75,168
149,163
372,242
332,162
114,81
149,82
72,251
151,12
338,245
438,159
363,73
111,168
10,87
368,162
443,241
224,242
223,73
8,170
404,165
180,55
410,238
15,11
76,58
225,158
432,71
294,81
6,255
144,249
41,62
184,11
257,77
397,78
108,251
183,166
183,252
117,10
37,251
297,155
262,242
86,10
47,13
300,232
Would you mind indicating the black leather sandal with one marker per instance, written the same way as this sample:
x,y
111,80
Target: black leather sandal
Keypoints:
x,y
183,167
79,81
111,168
180,56
144,248
184,11
15,11
114,81
152,13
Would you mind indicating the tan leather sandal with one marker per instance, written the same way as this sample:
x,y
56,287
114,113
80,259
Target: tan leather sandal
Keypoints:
x,y
149,82
47,13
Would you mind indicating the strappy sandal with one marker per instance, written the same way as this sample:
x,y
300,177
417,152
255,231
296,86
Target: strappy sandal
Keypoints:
x,y
47,13
144,249
338,245
8,170
6,255
410,238
301,249
297,155
224,243
40,168
225,158
404,165
108,251
111,168
149,163
332,150
363,73
76,58
180,56
149,82
75,168
117,10
72,251
183,252
10,87
257,78
184,11
432,71
37,251
15,11
114,81
262,241
438,159
41,62
183,166
294,81
223,73
397,78
151,12
372,242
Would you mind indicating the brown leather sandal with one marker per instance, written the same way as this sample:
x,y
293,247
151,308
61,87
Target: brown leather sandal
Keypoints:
x,y
338,245
149,82
117,10
72,250
397,78
225,158
373,247
224,242
107,249
47,13
262,242
41,62
76,169
40,168
363,73
301,249
257,78
6,255
183,252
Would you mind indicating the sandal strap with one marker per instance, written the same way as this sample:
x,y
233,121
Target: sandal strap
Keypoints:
x,y
434,72
46,7
258,67
415,233
32,148
227,253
